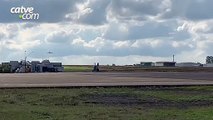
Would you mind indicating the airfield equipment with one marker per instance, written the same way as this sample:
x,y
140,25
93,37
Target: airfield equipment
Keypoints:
x,y
96,68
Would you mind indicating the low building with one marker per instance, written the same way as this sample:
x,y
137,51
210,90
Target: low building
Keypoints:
x,y
208,65
146,64
46,66
136,65
165,64
188,64
34,66
5,67
14,65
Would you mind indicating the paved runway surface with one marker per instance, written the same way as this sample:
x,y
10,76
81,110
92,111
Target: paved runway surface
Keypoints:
x,y
104,79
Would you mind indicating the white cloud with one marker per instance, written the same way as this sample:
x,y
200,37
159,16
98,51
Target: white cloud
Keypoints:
x,y
58,37
147,43
121,44
97,43
194,10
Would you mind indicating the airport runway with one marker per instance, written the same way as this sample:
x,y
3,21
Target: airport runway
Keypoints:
x,y
72,79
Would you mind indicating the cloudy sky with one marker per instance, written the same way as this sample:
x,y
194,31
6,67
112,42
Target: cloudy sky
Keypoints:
x,y
108,31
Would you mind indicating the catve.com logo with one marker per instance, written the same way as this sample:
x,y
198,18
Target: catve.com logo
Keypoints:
x,y
25,13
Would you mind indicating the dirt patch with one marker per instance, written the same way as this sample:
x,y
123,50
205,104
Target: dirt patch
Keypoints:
x,y
181,104
110,99
149,102
176,90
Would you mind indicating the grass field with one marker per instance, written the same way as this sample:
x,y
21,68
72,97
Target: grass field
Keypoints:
x,y
77,68
145,103
105,68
